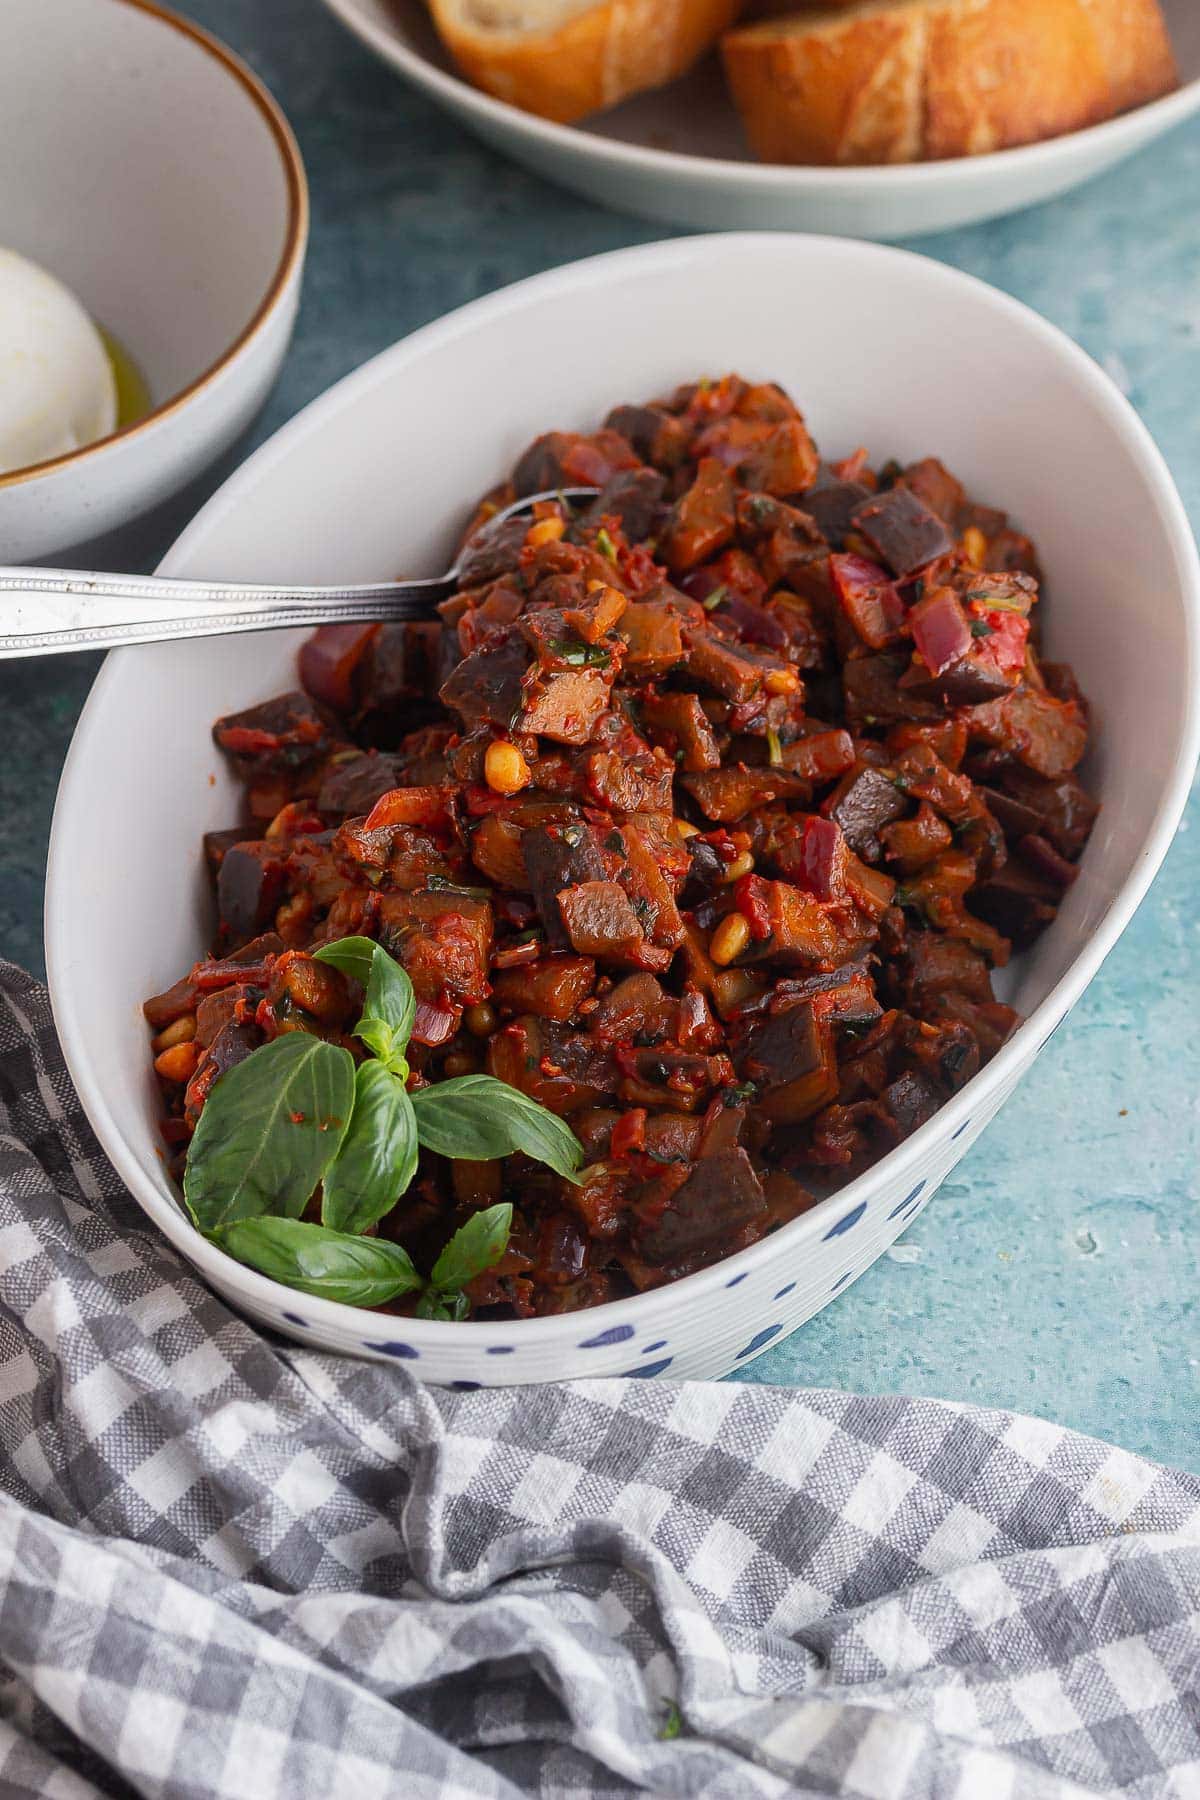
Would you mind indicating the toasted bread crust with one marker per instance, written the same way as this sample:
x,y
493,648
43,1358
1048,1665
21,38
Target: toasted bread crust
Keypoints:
x,y
590,61
941,78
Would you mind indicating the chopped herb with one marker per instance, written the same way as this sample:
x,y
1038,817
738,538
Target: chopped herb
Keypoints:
x,y
774,748
605,545
918,589
996,602
715,598
441,884
742,1095
584,656
980,628
615,842
573,835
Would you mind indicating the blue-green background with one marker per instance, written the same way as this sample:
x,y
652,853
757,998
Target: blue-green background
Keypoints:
x,y
1058,1271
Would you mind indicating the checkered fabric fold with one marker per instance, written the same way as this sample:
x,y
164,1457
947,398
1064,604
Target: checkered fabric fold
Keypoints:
x,y
230,1568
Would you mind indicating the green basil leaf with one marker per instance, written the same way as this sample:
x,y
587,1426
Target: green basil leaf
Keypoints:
x,y
389,1004
477,1118
333,1265
476,1246
433,1305
269,1130
378,1157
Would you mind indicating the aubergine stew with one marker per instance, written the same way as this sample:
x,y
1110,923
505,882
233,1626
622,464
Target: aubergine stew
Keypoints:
x,y
592,931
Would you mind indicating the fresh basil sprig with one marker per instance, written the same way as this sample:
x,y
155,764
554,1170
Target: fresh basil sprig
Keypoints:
x,y
378,1155
297,1113
477,1118
269,1131
389,1004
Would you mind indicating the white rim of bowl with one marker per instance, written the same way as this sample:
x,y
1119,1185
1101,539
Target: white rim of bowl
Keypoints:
x,y
1171,108
295,238
431,1336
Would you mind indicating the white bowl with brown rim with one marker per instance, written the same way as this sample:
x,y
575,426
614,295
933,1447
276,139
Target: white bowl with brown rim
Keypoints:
x,y
149,170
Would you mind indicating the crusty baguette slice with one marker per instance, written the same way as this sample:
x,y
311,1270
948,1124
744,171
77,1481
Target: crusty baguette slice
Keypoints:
x,y
566,58
902,80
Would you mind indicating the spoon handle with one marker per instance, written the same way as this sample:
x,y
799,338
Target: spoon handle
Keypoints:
x,y
44,612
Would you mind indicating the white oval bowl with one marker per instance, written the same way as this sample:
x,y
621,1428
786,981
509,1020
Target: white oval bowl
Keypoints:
x,y
880,348
678,154
152,172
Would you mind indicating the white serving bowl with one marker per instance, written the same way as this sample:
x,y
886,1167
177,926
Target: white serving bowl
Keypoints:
x,y
881,348
147,168
679,154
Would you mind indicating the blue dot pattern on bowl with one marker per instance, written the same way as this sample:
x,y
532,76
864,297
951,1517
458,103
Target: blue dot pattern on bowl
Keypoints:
x,y
647,1371
1049,1035
841,1281
965,1126
734,1279
908,1200
392,1349
845,1223
616,1334
466,1387
658,1344
500,1349
295,1319
784,1290
759,1339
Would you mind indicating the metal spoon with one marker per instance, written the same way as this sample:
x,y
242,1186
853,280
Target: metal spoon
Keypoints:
x,y
44,612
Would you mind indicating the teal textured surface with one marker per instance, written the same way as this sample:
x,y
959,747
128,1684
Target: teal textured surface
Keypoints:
x,y
1058,1271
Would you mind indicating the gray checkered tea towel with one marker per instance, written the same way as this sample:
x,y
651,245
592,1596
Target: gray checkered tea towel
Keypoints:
x,y
238,1570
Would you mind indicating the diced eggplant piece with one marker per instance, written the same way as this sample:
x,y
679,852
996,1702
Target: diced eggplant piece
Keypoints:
x,y
652,631
726,795
722,1195
250,885
637,1010
911,1100
657,435
902,530
784,463
911,843
558,857
352,783
636,784
970,681
1049,736
233,1044
1027,804
652,867
870,601
492,551
277,737
866,802
634,497
561,459
934,485
443,940
782,1047
496,851
1018,901
729,668
554,1065
874,695
937,965
599,919
487,687
822,757
566,706
394,683
702,521
552,988
789,927
678,722
706,872
217,843
832,504
329,662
